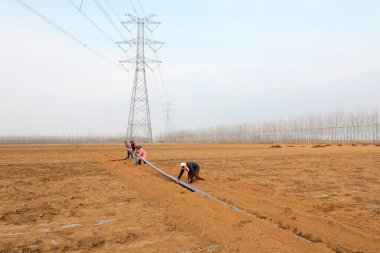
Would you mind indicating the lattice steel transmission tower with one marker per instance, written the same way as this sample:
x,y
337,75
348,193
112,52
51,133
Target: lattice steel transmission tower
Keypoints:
x,y
168,120
139,123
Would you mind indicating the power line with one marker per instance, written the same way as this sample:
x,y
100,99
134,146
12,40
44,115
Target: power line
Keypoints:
x,y
156,88
65,32
96,26
142,9
133,6
113,10
81,4
153,110
160,74
92,22
162,81
109,18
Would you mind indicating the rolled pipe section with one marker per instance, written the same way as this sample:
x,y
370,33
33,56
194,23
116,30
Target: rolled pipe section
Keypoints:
x,y
187,186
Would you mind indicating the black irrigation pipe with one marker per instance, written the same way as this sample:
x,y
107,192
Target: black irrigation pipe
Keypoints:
x,y
187,186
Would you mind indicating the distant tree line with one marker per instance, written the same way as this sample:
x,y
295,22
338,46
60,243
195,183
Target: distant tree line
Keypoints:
x,y
62,139
337,127
69,139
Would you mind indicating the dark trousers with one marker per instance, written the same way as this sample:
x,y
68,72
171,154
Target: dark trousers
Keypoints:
x,y
139,162
196,174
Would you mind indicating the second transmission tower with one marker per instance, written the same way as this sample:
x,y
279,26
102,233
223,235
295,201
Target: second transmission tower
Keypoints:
x,y
139,123
168,121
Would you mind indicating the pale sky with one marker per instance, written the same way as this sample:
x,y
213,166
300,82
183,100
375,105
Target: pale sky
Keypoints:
x,y
224,62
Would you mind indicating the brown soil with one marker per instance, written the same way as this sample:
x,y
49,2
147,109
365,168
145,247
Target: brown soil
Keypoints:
x,y
292,199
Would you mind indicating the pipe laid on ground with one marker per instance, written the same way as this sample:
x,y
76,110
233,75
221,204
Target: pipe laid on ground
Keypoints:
x,y
187,186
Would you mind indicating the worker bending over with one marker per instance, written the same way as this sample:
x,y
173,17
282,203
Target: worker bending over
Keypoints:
x,y
141,152
192,170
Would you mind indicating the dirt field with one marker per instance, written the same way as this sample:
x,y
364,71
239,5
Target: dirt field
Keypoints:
x,y
296,198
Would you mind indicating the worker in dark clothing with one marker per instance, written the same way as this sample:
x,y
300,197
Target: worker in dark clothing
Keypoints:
x,y
192,170
133,145
128,147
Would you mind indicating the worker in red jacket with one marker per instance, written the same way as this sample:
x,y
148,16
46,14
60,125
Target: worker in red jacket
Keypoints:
x,y
141,152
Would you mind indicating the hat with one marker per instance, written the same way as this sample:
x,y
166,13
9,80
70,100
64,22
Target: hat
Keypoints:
x,y
183,164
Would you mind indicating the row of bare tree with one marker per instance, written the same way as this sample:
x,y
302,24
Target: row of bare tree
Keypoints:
x,y
337,127
63,139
